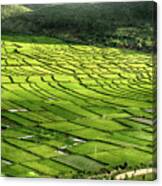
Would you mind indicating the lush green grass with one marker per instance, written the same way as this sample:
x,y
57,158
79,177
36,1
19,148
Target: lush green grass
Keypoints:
x,y
74,111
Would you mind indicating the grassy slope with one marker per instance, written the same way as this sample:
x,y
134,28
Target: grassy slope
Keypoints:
x,y
84,105
75,116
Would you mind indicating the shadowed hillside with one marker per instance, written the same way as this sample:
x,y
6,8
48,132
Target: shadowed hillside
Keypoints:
x,y
10,11
127,25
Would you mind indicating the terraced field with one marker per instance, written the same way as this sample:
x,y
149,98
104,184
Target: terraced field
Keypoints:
x,y
74,111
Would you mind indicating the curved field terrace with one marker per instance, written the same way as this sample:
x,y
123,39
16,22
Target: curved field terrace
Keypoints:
x,y
75,111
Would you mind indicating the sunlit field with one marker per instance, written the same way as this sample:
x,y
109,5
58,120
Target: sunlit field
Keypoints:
x,y
75,110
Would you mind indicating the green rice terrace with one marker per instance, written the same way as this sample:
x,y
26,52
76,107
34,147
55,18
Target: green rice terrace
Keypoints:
x,y
75,110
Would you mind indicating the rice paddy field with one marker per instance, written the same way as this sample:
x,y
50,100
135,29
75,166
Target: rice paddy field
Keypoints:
x,y
75,111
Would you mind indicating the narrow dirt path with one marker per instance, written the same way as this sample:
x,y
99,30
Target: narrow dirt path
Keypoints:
x,y
138,172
